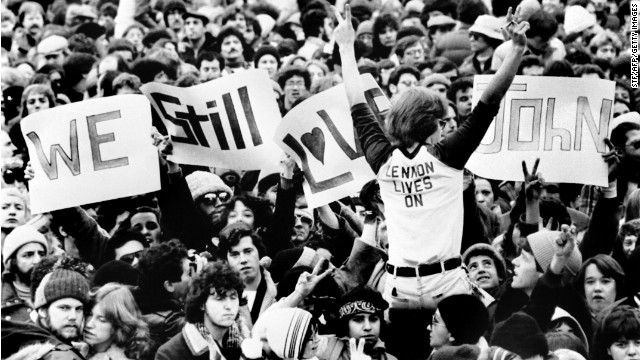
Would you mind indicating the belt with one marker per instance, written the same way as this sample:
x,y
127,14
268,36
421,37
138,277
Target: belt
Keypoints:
x,y
425,270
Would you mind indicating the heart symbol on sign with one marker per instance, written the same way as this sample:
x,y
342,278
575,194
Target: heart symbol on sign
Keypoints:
x,y
314,141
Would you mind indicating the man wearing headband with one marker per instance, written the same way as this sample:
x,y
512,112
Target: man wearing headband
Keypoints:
x,y
361,314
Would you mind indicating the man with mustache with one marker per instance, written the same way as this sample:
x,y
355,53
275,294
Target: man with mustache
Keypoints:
x,y
231,45
23,248
29,28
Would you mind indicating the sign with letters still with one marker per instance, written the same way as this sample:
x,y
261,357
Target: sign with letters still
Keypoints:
x,y
91,151
227,122
320,136
563,121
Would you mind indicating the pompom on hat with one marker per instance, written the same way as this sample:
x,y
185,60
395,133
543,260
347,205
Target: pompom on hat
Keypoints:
x,y
284,330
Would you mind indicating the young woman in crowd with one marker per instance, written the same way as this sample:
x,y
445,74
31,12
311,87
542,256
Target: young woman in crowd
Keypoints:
x,y
618,335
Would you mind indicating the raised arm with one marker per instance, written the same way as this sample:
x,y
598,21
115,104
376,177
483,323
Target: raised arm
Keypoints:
x,y
345,37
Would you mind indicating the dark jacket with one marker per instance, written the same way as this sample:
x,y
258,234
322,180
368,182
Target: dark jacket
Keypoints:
x,y
189,344
23,340
190,54
13,308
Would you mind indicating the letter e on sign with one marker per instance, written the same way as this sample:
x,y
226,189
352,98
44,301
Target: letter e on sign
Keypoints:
x,y
96,140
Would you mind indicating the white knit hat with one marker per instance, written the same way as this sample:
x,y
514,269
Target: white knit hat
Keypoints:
x,y
541,244
19,237
202,182
577,19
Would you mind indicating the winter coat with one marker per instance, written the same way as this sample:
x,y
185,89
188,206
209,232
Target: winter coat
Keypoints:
x,y
114,352
27,341
13,308
189,344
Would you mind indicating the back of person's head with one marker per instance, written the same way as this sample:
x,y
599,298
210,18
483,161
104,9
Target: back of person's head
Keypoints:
x,y
469,10
619,133
543,25
520,334
465,316
621,324
588,69
148,69
76,66
565,340
81,43
313,22
632,208
161,263
414,116
560,68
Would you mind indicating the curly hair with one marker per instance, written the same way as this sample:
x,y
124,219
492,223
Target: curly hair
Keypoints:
x,y
217,276
261,209
161,263
119,307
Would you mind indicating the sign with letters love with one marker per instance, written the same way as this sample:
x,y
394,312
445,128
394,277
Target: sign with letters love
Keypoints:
x,y
319,135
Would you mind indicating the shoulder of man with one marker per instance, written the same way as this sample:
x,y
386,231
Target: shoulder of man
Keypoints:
x,y
47,351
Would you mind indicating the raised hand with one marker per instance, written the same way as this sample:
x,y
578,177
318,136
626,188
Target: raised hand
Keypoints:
x,y
515,29
563,248
357,353
532,181
307,282
344,33
287,166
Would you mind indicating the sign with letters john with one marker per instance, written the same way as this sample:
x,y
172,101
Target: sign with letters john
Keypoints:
x,y
562,121
91,151
319,134
227,122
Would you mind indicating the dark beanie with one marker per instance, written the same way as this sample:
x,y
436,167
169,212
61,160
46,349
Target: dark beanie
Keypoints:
x,y
520,334
286,260
465,316
172,5
463,352
268,181
116,271
61,284
266,50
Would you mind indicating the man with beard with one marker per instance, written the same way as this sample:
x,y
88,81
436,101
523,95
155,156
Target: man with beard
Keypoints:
x,y
23,248
196,39
29,28
296,82
231,46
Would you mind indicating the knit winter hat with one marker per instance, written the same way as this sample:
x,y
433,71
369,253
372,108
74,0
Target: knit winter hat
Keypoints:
x,y
463,352
490,251
365,27
267,23
174,5
541,244
61,284
520,334
19,237
290,258
465,316
202,182
577,19
116,271
284,330
436,79
266,50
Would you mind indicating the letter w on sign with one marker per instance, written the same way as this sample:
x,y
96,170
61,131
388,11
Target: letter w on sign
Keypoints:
x,y
104,148
319,134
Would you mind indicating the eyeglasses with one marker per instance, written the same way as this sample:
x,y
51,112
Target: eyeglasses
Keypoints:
x,y
634,144
213,198
304,219
294,83
129,258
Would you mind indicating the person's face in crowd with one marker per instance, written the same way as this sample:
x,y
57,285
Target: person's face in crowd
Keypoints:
x,y
98,330
629,244
463,101
175,20
294,88
440,335
37,102
14,212
8,149
600,291
64,318
55,58
365,326
624,349
367,39
632,145
538,43
239,22
126,55
533,70
135,36
172,50
526,275
194,28
33,22
483,272
327,28
478,43
302,227
210,70
316,72
606,52
450,125
147,224
249,34
211,206
406,82
27,257
268,62
439,88
129,252
622,93
221,310
413,54
310,349
619,108
231,48
241,213
271,194
245,259
484,193
563,327
388,36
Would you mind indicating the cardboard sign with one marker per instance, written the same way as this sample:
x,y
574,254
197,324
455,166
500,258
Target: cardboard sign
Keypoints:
x,y
319,134
563,121
91,151
224,123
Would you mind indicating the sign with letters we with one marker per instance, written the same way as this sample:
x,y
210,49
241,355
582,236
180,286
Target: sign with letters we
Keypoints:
x,y
320,136
562,121
91,151
226,123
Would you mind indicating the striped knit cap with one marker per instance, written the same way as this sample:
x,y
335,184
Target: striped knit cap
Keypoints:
x,y
61,284
285,330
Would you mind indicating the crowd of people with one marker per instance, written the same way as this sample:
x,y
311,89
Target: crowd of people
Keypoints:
x,y
229,264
